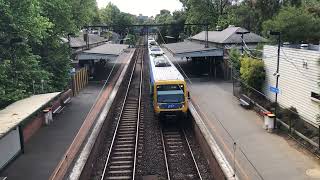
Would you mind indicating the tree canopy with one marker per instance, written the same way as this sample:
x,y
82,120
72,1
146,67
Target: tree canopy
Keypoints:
x,y
297,24
33,58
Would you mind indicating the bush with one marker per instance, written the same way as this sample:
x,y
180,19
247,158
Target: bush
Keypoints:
x,y
252,72
290,115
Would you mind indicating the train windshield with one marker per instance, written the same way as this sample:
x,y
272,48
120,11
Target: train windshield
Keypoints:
x,y
170,93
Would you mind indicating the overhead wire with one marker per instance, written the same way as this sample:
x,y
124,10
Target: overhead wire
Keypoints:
x,y
286,58
222,125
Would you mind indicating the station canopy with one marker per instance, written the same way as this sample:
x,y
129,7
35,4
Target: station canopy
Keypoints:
x,y
16,113
105,51
192,49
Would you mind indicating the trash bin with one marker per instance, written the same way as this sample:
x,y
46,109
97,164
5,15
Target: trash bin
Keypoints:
x,y
48,116
269,121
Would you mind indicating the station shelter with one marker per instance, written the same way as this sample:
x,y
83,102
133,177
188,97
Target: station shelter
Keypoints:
x,y
95,59
208,61
20,120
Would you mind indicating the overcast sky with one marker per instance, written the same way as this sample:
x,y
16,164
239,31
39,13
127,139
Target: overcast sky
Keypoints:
x,y
145,7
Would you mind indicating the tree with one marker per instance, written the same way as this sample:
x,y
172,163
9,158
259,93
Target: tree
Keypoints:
x,y
19,66
84,11
111,15
235,56
201,11
164,17
296,24
252,72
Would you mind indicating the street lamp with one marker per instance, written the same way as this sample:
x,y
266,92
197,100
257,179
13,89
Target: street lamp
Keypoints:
x,y
242,40
278,34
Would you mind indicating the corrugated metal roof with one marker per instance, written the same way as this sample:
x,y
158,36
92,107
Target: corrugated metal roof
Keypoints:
x,y
229,36
185,47
76,42
14,114
113,49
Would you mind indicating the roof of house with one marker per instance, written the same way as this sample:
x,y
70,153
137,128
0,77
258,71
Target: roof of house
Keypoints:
x,y
14,114
107,49
77,42
185,47
229,36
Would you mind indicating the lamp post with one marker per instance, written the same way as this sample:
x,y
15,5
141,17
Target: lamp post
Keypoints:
x,y
242,40
278,34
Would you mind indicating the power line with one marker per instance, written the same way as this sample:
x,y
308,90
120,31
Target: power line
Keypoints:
x,y
225,129
296,67
286,58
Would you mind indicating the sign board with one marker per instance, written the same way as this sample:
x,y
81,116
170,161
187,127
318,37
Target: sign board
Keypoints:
x,y
274,90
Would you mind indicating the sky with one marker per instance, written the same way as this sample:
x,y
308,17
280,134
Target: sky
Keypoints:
x,y
145,7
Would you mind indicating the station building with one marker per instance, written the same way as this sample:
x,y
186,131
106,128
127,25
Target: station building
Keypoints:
x,y
299,71
214,58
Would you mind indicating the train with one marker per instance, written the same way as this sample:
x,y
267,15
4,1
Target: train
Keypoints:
x,y
168,87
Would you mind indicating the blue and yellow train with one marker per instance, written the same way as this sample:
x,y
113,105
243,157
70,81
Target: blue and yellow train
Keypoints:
x,y
168,86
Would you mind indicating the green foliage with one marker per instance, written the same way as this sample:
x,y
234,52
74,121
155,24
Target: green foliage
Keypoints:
x,y
201,11
17,77
33,58
132,39
252,72
164,17
296,25
235,57
85,12
111,15
290,115
178,18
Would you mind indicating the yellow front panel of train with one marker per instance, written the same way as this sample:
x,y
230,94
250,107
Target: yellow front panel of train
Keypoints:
x,y
177,104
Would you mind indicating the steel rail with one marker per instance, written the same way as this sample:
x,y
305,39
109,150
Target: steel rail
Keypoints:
x,y
138,120
119,119
189,149
164,153
192,155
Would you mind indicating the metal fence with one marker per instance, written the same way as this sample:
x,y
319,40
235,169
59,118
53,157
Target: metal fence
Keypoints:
x,y
79,80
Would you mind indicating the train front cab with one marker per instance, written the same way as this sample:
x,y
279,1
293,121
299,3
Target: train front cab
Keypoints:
x,y
170,98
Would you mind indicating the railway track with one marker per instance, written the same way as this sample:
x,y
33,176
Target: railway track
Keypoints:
x,y
179,157
122,154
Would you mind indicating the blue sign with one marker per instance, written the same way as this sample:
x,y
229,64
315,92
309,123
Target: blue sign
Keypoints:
x,y
274,90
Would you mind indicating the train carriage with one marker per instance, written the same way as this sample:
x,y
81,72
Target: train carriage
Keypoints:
x,y
168,87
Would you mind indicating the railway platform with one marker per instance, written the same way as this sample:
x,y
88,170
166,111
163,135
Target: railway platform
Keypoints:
x,y
239,133
46,149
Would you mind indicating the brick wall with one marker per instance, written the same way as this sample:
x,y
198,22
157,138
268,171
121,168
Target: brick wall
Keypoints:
x,y
32,127
35,124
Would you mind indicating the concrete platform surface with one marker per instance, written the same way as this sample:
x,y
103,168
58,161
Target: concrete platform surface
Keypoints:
x,y
272,156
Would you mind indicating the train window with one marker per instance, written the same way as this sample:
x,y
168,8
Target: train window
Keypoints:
x,y
170,87
161,62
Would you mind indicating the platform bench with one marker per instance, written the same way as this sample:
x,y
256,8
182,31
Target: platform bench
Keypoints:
x,y
245,101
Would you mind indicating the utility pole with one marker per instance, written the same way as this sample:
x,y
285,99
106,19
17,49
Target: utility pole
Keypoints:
x,y
242,40
275,33
207,36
